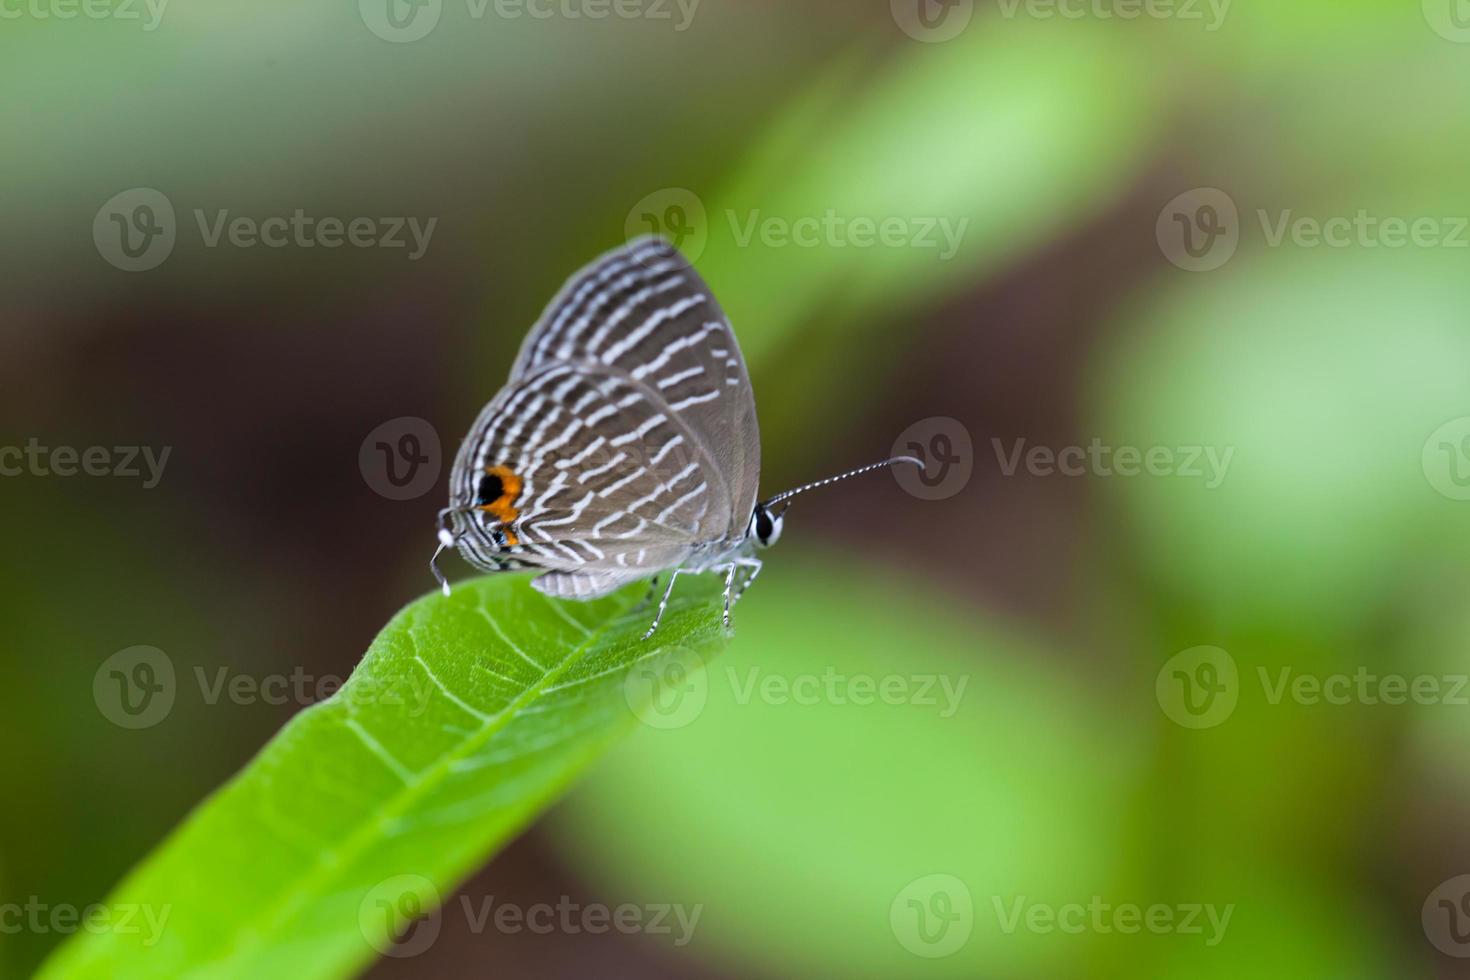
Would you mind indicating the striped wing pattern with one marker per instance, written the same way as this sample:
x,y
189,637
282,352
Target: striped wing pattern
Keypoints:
x,y
629,423
644,311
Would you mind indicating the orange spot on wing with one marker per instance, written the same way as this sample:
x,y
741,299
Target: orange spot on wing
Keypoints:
x,y
503,508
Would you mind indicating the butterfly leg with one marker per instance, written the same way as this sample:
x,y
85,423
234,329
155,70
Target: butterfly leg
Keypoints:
x,y
663,604
754,565
729,585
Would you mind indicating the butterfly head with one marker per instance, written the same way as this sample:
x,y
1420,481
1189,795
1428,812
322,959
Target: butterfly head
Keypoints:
x,y
480,521
765,527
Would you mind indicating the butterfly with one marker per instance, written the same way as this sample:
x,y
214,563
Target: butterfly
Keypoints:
x,y
624,445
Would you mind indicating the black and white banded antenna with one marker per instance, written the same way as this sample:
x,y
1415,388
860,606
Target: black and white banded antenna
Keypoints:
x,y
788,494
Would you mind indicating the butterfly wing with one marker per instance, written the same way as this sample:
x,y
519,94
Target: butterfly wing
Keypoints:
x,y
580,470
625,439
642,311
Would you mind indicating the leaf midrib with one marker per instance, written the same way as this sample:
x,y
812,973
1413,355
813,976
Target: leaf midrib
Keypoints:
x,y
432,777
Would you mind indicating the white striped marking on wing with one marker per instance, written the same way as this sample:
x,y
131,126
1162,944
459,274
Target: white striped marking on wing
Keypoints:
x,y
529,450
637,529
681,501
648,326
540,505
683,473
572,516
490,439
623,312
588,397
613,518
668,448
618,264
606,411
620,457
613,488
564,437
684,375
641,431
581,457
695,400
672,348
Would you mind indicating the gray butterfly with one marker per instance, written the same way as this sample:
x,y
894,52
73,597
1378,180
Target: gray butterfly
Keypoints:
x,y
624,444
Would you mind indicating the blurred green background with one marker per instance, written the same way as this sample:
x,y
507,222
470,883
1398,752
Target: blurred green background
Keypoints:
x,y
1182,229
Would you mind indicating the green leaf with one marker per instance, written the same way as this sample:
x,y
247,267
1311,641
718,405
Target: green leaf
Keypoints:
x,y
467,716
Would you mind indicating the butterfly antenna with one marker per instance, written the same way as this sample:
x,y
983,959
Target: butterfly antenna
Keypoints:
x,y
787,495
